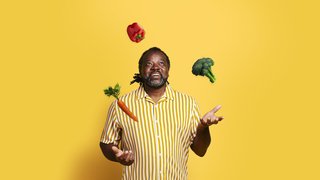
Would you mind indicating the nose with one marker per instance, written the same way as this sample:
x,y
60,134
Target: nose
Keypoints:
x,y
155,66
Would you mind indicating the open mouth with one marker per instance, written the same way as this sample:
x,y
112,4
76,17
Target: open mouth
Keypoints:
x,y
155,75
155,79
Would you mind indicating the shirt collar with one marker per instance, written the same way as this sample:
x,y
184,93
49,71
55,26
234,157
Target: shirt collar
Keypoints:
x,y
168,94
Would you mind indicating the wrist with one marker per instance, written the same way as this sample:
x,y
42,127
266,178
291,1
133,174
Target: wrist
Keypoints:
x,y
202,127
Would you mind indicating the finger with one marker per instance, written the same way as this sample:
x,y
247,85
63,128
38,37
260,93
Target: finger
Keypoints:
x,y
132,157
116,151
215,109
215,122
220,118
128,156
123,157
216,118
210,122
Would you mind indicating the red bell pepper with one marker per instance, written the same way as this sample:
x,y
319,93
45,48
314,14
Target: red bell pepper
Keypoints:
x,y
135,32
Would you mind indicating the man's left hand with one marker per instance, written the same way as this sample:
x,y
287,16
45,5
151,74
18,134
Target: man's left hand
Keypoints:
x,y
210,118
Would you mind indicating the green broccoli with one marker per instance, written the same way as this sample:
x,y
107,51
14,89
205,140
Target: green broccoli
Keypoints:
x,y
202,67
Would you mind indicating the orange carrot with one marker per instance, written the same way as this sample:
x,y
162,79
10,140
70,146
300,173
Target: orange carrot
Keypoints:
x,y
126,110
115,93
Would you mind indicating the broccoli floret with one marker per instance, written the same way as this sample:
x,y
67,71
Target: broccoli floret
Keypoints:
x,y
202,67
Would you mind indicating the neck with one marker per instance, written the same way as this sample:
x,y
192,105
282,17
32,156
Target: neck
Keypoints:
x,y
155,93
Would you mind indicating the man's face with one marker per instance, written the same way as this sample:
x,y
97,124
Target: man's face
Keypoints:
x,y
155,70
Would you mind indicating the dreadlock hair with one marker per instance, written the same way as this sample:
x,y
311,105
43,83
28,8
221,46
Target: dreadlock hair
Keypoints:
x,y
137,78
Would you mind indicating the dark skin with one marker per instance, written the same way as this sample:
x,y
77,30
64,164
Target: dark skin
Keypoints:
x,y
202,140
155,69
113,153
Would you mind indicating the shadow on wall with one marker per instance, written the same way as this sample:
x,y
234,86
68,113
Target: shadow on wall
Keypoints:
x,y
94,166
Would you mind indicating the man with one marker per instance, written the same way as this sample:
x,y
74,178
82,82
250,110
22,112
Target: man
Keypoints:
x,y
157,146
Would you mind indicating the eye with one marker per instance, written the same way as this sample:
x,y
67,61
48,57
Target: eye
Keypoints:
x,y
149,64
162,63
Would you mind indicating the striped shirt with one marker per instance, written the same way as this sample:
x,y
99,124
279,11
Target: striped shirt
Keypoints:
x,y
160,139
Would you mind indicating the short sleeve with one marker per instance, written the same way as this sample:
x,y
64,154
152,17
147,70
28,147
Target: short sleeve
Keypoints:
x,y
112,130
195,120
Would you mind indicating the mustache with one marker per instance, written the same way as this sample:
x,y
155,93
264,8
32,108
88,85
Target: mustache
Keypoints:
x,y
148,78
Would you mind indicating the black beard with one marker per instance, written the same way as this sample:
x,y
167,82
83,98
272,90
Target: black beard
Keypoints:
x,y
149,82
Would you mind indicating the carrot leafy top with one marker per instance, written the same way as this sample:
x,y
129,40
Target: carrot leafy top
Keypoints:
x,y
115,92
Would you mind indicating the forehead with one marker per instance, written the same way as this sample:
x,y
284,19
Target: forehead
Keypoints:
x,y
155,56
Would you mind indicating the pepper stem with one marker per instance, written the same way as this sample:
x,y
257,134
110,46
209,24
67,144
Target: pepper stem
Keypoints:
x,y
139,36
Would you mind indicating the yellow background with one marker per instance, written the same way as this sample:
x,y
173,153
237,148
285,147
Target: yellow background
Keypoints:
x,y
58,56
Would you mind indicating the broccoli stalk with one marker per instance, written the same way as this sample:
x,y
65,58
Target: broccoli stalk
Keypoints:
x,y
209,74
202,67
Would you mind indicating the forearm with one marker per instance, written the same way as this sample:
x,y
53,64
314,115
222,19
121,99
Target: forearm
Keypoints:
x,y
202,140
107,151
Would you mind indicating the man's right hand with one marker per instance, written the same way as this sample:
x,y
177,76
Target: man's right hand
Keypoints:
x,y
123,157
